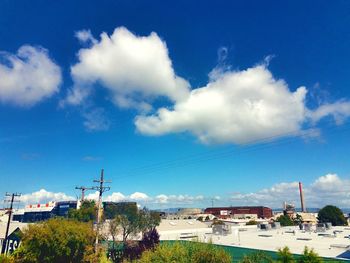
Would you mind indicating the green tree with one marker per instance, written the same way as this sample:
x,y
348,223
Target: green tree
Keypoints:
x,y
132,221
57,240
285,220
333,215
251,222
298,220
150,220
86,213
185,252
257,257
200,218
285,256
309,256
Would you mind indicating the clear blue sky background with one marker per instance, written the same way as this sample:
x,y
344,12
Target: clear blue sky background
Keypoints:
x,y
45,146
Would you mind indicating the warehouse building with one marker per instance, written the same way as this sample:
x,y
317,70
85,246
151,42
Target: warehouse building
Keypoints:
x,y
40,212
240,211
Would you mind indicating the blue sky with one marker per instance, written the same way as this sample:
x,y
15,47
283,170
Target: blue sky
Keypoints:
x,y
181,115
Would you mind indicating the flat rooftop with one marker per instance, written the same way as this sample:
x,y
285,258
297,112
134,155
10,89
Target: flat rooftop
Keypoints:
x,y
324,243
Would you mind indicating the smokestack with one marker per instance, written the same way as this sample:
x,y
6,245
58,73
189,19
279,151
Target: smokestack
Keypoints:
x,y
301,197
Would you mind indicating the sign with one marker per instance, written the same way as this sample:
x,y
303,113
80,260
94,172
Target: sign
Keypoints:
x,y
12,242
224,212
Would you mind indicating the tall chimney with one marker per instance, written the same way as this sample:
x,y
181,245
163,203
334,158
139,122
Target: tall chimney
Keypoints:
x,y
301,197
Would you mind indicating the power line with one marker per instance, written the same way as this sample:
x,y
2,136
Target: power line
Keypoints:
x,y
263,143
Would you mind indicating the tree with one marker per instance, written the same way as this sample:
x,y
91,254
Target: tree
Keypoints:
x,y
333,215
57,240
309,256
285,256
200,218
251,222
150,219
150,240
184,252
298,220
133,221
285,220
86,213
257,257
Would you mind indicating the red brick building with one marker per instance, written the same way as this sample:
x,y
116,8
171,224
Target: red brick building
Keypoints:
x,y
224,212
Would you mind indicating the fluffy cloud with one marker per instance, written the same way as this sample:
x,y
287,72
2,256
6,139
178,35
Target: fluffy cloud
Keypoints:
x,y
139,196
177,199
239,107
134,69
236,107
116,197
43,196
28,77
327,189
145,199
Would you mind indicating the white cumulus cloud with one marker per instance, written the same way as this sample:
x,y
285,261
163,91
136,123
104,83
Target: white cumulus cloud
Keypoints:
x,y
139,196
134,69
28,77
239,106
327,189
44,196
116,197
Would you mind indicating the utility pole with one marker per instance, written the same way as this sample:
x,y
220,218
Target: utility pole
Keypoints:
x,y
83,189
101,190
13,195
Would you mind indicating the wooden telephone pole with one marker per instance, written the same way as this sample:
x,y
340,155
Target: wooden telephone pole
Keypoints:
x,y
101,190
83,189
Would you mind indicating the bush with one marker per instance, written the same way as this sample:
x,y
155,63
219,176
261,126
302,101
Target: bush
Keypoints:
x,y
150,240
285,256
251,223
6,259
185,252
309,256
257,257
285,220
57,240
332,214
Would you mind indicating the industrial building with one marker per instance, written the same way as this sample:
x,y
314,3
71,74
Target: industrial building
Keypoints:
x,y
40,212
243,211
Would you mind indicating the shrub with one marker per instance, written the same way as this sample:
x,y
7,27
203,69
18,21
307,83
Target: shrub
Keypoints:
x,y
57,240
251,222
6,259
257,257
150,240
285,220
309,256
285,256
184,252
